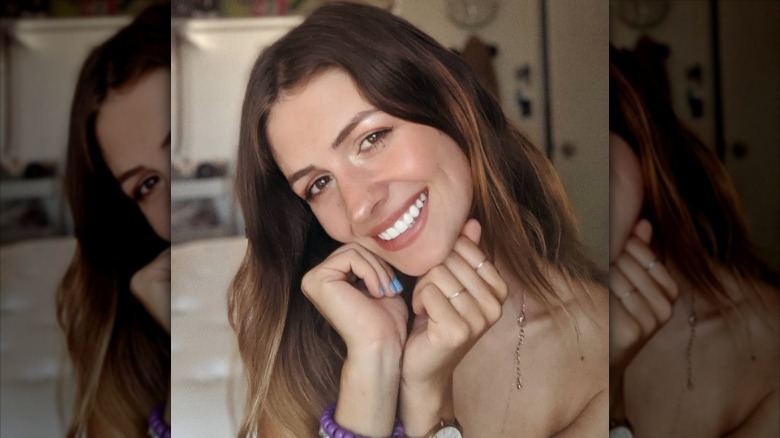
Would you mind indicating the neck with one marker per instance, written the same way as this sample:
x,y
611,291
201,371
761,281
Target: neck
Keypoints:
x,y
569,292
737,290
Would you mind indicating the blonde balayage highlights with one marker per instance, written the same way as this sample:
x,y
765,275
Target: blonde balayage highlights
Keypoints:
x,y
292,357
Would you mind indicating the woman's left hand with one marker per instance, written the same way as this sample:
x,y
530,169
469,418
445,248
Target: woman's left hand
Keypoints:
x,y
151,285
454,304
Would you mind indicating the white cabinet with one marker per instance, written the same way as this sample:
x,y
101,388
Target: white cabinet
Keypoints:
x,y
211,62
40,61
42,64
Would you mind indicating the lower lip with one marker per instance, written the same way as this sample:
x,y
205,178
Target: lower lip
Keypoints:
x,y
410,235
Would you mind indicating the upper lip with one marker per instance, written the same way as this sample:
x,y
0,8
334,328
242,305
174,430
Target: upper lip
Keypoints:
x,y
397,214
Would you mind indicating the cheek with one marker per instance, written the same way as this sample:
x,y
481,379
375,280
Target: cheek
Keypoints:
x,y
625,205
157,212
334,222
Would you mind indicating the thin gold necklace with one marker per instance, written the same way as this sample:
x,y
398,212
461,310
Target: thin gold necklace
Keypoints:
x,y
522,321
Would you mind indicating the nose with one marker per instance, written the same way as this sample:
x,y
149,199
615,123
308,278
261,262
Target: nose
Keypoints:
x,y
363,193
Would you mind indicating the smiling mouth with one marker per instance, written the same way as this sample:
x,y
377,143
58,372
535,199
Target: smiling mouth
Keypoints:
x,y
406,220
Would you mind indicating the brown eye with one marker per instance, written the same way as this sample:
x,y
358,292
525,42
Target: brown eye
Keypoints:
x,y
317,187
146,187
373,140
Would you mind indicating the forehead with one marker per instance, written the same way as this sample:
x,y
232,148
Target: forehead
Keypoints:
x,y
134,119
309,118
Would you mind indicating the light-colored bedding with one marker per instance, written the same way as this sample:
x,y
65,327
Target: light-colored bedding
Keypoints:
x,y
32,352
204,361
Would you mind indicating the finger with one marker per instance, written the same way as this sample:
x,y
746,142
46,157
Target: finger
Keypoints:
x,y
442,278
459,296
445,325
624,330
660,304
650,263
644,230
636,304
475,258
383,271
338,268
486,297
472,229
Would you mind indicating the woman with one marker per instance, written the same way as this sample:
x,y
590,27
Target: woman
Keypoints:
x,y
114,301
412,256
694,328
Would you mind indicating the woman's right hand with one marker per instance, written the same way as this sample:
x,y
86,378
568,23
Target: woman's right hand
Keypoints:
x,y
371,319
361,315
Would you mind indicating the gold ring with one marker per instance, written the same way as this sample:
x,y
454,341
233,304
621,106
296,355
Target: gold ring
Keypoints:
x,y
455,295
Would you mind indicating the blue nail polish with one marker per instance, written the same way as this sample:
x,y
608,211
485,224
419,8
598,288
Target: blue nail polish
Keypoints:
x,y
382,290
397,286
394,285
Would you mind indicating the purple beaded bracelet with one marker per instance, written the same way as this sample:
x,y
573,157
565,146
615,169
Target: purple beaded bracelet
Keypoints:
x,y
330,429
157,426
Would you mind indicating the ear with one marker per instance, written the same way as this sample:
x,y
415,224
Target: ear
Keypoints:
x,y
473,230
643,230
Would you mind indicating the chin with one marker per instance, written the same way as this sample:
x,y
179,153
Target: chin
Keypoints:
x,y
421,262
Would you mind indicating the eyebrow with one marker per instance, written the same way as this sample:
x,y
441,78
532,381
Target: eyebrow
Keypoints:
x,y
343,134
130,172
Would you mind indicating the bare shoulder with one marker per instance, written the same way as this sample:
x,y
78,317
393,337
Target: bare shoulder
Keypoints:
x,y
592,421
588,307
587,379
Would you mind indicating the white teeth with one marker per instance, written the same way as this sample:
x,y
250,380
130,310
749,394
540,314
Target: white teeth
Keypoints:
x,y
401,226
405,221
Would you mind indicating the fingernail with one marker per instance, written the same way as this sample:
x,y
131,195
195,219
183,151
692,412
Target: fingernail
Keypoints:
x,y
382,290
397,286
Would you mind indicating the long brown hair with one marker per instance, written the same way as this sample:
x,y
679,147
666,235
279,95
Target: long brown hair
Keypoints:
x,y
689,197
291,355
120,355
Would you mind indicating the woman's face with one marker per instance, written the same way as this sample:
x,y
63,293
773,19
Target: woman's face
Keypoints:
x,y
367,175
133,129
626,191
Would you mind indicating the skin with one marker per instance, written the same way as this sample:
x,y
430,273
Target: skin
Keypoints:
x,y
734,395
133,130
358,186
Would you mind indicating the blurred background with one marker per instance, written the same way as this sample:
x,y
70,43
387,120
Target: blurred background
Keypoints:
x,y
722,59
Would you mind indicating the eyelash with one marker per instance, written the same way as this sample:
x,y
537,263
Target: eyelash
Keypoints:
x,y
377,137
374,140
146,185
